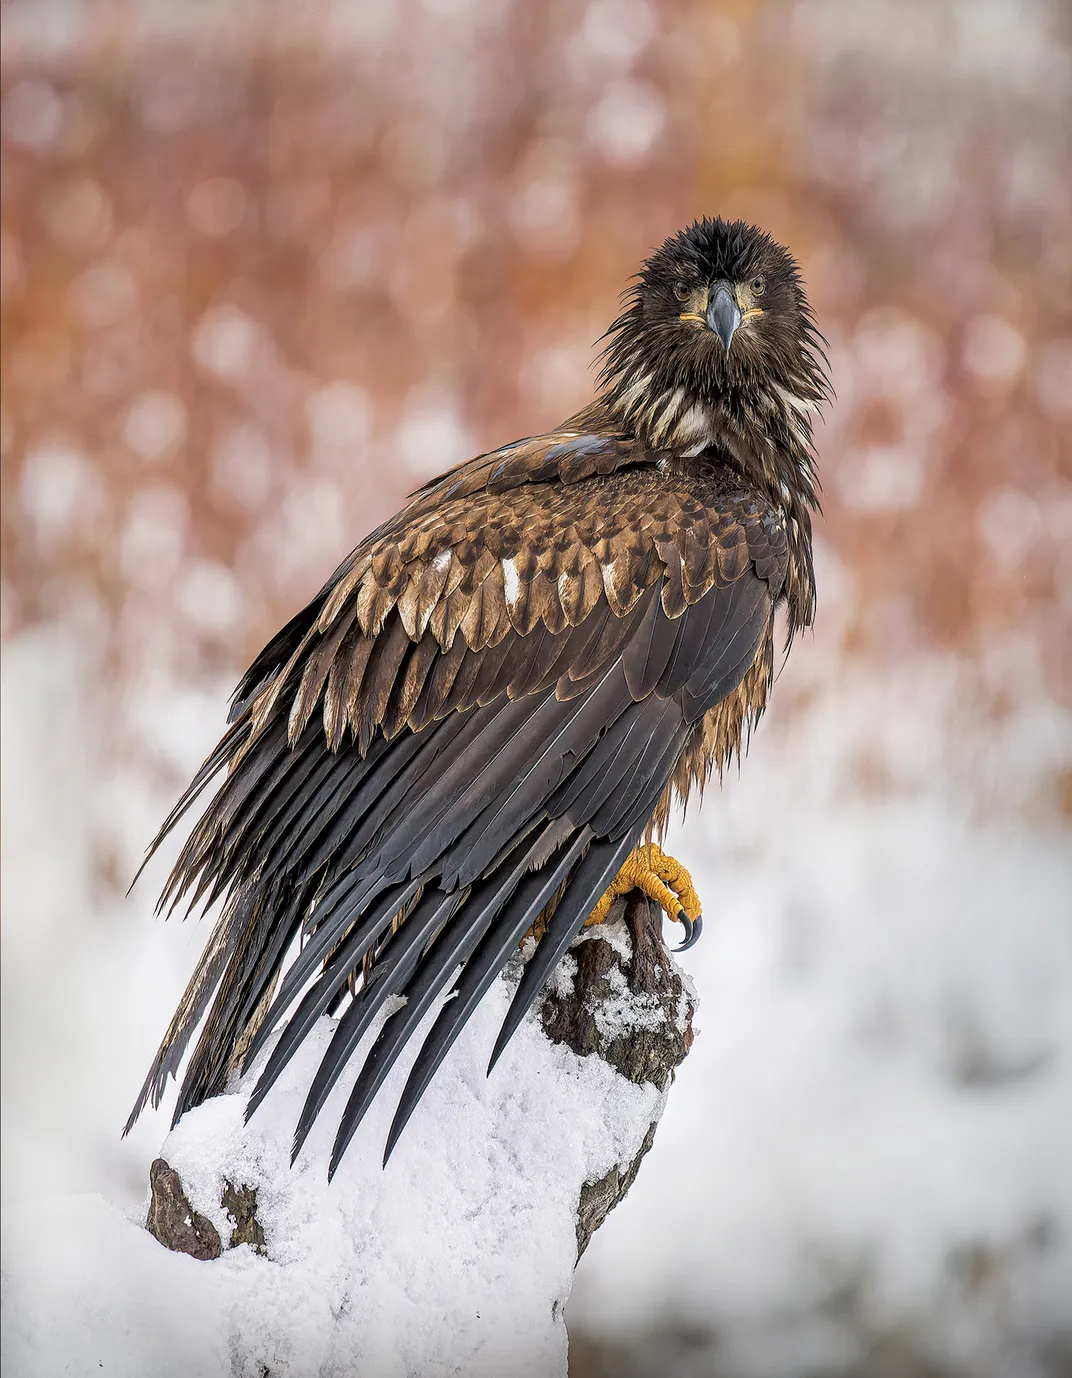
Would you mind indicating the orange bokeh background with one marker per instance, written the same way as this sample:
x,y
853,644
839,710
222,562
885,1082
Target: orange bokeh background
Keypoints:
x,y
264,273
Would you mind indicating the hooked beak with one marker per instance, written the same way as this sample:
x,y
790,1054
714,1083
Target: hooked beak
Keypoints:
x,y
723,313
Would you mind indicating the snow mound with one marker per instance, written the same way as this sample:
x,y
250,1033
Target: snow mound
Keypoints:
x,y
456,1258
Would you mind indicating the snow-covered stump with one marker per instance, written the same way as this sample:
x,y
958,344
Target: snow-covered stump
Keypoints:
x,y
459,1256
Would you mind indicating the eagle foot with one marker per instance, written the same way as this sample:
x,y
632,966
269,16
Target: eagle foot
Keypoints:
x,y
663,880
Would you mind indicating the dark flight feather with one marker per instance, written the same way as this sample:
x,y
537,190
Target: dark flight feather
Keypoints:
x,y
592,877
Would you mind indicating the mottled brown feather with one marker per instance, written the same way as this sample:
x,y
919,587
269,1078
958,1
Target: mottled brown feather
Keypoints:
x,y
573,546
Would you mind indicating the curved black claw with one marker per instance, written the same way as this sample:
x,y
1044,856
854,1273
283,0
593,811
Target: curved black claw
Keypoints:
x,y
693,929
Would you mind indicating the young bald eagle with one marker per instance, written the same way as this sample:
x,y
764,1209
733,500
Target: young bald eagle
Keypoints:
x,y
497,694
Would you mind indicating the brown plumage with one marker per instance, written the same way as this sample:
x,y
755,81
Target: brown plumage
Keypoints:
x,y
500,691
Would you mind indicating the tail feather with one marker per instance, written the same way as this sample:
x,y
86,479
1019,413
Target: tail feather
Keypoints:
x,y
345,959
592,877
503,937
192,1006
252,969
389,977
451,949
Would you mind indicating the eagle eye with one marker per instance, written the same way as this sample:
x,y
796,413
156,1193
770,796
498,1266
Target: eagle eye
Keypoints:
x,y
757,285
682,290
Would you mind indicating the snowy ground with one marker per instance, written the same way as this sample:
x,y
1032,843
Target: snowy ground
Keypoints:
x,y
458,1258
866,1139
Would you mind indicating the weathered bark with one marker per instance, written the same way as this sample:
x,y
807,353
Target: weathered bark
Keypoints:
x,y
240,1203
645,1039
626,1002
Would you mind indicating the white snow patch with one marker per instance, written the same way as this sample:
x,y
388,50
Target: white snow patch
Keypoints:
x,y
626,1009
458,1257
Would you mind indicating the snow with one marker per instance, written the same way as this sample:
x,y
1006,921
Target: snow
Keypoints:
x,y
875,1107
458,1257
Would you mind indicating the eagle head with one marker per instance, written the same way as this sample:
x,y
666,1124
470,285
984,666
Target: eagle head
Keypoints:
x,y
716,325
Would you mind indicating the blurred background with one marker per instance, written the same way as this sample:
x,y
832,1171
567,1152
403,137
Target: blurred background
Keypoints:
x,y
266,267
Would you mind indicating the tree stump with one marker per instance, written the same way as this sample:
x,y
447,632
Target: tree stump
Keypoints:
x,y
600,1054
631,1007
625,1001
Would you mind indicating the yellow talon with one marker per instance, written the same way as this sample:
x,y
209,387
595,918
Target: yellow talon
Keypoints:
x,y
662,879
